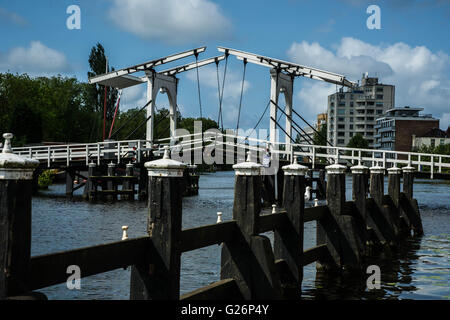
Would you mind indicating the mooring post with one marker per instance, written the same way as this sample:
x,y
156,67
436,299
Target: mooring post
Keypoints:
x,y
394,180
248,257
16,174
143,183
91,185
380,218
411,209
288,240
111,184
338,230
159,278
128,184
70,177
321,185
359,195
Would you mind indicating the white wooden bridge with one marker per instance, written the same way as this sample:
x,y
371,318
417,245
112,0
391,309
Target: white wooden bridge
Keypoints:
x,y
132,150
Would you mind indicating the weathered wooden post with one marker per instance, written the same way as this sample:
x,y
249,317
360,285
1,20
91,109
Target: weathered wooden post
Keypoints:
x,y
16,175
359,196
409,204
394,180
288,240
91,185
111,184
159,278
338,230
70,177
248,257
143,183
321,185
128,184
379,217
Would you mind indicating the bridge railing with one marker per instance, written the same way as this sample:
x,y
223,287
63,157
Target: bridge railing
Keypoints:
x,y
326,154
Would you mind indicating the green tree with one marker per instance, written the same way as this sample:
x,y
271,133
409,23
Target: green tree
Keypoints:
x,y
358,141
96,93
320,137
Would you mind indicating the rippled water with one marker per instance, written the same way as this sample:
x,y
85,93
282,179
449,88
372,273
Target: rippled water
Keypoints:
x,y
421,270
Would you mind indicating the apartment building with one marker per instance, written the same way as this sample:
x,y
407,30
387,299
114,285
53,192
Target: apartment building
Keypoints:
x,y
356,110
395,130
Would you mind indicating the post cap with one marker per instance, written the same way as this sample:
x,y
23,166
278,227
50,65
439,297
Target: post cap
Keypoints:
x,y
247,168
394,170
409,169
12,166
335,169
295,169
377,169
359,169
165,167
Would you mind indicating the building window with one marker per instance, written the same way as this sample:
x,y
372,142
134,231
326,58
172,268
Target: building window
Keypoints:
x,y
442,142
379,111
433,142
380,96
341,134
379,104
341,111
379,89
350,134
341,126
351,119
351,127
341,119
341,141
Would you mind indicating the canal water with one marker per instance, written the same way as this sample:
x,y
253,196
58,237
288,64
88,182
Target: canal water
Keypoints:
x,y
421,269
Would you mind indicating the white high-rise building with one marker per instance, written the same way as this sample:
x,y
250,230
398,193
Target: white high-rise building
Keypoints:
x,y
356,110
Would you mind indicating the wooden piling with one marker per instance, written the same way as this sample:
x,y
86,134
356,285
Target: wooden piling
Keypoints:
x,y
379,217
409,204
16,174
394,181
70,177
288,239
128,184
248,257
111,184
337,229
90,184
359,196
159,277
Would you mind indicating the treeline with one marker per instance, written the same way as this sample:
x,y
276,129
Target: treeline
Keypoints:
x,y
59,109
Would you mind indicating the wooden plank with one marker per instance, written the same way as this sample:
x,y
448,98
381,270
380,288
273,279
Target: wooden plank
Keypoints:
x,y
269,222
314,254
204,236
315,213
50,269
220,290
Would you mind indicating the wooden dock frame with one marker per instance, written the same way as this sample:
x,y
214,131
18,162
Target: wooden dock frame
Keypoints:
x,y
250,268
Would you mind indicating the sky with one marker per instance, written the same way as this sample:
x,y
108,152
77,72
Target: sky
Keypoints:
x,y
410,49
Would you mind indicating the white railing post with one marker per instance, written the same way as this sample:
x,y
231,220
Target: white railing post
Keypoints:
x,y
440,164
118,152
432,168
98,153
313,165
48,157
87,154
68,155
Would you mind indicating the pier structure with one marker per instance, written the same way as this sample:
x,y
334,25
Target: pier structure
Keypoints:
x,y
348,233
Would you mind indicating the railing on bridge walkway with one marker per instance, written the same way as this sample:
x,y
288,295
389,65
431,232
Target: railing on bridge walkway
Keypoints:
x,y
119,151
251,268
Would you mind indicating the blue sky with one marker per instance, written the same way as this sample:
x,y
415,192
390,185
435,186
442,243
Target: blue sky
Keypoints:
x,y
411,50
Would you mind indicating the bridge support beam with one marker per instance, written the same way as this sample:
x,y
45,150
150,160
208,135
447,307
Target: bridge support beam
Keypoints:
x,y
156,83
280,82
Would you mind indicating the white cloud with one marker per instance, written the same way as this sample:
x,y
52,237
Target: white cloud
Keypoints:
x,y
37,59
419,75
12,17
171,21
